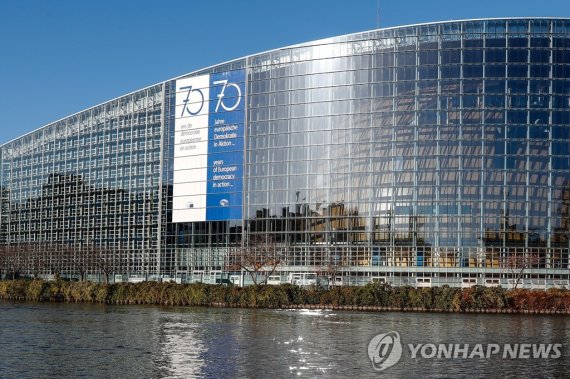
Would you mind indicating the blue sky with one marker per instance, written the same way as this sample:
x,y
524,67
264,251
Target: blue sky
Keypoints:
x,y
58,57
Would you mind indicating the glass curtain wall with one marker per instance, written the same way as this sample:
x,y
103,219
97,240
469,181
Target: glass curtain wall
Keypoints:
x,y
81,195
426,151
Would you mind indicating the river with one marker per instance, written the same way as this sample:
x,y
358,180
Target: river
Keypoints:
x,y
62,340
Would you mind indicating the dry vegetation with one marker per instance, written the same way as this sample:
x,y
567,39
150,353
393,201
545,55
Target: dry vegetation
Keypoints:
x,y
263,296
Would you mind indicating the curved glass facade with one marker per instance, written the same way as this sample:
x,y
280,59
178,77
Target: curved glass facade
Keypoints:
x,y
423,155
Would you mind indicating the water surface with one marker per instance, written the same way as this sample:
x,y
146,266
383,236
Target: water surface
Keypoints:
x,y
93,340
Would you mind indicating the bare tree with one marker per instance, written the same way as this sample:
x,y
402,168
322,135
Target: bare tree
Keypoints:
x,y
3,260
81,261
106,262
518,263
260,259
35,259
57,259
14,261
334,264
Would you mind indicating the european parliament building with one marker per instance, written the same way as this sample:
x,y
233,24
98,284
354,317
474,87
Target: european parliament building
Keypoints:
x,y
420,155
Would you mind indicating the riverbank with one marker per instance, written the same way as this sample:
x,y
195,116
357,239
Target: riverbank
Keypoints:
x,y
372,297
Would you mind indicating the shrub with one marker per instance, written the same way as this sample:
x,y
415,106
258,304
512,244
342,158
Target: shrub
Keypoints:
x,y
265,296
38,290
446,297
376,294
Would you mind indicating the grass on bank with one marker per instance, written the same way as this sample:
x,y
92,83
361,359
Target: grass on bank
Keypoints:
x,y
373,294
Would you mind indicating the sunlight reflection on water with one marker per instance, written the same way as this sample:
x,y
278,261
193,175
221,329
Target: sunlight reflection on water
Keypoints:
x,y
182,348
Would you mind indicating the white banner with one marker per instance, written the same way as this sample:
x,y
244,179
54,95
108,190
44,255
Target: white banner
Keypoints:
x,y
191,149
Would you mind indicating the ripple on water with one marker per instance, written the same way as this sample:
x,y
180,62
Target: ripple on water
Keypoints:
x,y
72,340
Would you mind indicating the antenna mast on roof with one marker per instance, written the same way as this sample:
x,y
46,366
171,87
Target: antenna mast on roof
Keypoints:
x,y
378,15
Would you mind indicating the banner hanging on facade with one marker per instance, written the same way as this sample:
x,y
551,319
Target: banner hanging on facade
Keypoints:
x,y
209,147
